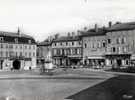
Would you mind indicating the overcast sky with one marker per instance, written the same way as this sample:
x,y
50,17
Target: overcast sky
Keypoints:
x,y
40,18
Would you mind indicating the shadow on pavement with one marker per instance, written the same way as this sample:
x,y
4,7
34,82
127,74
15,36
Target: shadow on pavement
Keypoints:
x,y
121,87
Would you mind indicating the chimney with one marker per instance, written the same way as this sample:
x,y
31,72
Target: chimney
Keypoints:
x,y
78,32
85,28
68,34
18,31
96,28
56,35
118,22
110,24
73,34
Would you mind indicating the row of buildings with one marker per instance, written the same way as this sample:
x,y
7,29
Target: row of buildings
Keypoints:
x,y
111,46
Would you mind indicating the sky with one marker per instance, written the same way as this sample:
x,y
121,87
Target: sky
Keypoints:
x,y
42,18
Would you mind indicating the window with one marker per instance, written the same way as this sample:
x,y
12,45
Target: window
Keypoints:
x,y
117,41
16,46
125,49
11,53
85,45
25,47
54,44
6,54
127,62
111,62
29,54
61,43
65,52
61,51
20,53
29,46
29,41
104,44
1,39
113,49
16,54
109,41
123,40
71,51
16,40
11,46
78,51
98,45
66,43
33,54
1,53
1,45
119,49
55,51
26,54
79,42
72,43
33,47
6,45
93,45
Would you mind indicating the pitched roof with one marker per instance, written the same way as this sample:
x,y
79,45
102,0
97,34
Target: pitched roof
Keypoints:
x,y
10,37
45,43
92,32
122,26
67,38
13,34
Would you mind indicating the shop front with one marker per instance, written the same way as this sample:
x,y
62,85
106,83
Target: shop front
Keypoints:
x,y
119,60
94,61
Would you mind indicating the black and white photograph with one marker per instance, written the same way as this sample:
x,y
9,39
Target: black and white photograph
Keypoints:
x,y
67,49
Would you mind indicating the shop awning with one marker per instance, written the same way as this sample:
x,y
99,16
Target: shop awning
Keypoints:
x,y
96,57
124,56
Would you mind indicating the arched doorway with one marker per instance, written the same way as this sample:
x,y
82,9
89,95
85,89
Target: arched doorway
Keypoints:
x,y
16,64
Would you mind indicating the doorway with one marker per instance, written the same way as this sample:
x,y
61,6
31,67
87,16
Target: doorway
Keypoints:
x,y
16,64
119,62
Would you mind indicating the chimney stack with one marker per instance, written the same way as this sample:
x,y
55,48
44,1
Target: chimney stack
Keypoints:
x,y
56,35
85,28
78,32
110,24
68,34
96,28
73,34
18,31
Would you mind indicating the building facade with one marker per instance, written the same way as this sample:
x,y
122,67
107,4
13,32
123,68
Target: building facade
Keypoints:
x,y
17,51
67,50
94,47
44,51
120,45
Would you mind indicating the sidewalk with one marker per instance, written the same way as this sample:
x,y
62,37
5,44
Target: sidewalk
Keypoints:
x,y
69,74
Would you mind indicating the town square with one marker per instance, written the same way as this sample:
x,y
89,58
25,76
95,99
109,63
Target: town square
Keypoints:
x,y
67,50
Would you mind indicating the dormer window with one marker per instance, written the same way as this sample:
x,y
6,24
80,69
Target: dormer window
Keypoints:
x,y
1,39
29,41
16,40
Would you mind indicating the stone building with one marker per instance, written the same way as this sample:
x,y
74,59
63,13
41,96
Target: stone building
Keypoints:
x,y
17,51
44,52
94,46
67,50
120,44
